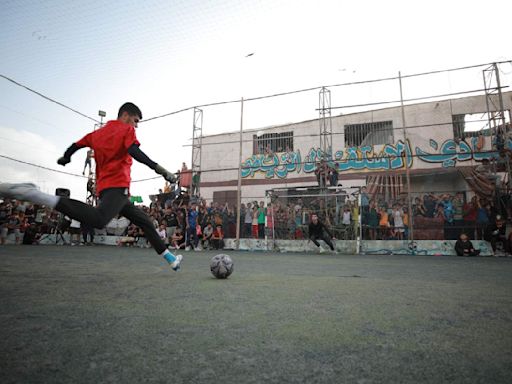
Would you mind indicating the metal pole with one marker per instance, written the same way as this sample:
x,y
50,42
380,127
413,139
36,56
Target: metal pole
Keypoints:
x,y
407,171
359,238
239,190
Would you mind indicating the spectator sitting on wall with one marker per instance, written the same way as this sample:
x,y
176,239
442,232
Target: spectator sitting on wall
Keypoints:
x,y
496,233
218,238
464,247
316,232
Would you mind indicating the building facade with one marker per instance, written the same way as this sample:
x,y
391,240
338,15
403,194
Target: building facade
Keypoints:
x,y
436,139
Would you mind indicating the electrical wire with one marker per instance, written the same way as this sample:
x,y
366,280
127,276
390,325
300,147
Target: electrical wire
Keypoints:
x,y
49,98
42,167
326,86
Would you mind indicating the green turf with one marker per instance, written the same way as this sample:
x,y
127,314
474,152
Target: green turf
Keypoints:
x,y
118,315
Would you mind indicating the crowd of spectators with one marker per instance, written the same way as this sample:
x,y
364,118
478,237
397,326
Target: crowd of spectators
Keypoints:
x,y
189,222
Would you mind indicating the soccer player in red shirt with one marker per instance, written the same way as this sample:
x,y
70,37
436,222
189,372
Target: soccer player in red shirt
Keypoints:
x,y
114,146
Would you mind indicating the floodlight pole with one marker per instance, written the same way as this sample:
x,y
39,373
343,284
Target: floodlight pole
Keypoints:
x,y
239,189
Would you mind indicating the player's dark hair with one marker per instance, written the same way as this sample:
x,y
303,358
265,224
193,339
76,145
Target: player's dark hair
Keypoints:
x,y
131,109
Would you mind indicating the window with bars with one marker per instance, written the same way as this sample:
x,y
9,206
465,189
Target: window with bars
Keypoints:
x,y
471,124
380,132
273,142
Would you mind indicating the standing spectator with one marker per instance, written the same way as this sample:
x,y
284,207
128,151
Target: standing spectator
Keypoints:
x,y
346,216
333,176
192,239
195,183
470,210
430,205
13,226
458,212
418,208
171,220
373,220
482,219
398,222
255,220
248,221
448,217
321,173
218,238
383,223
261,220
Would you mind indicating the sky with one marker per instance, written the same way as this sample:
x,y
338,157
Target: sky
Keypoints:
x,y
166,56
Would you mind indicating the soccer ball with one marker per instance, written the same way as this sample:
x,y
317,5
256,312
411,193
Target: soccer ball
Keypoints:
x,y
221,266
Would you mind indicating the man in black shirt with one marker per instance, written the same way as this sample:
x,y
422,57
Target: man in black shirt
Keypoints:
x,y
316,231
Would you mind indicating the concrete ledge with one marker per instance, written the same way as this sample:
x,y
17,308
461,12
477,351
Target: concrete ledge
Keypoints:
x,y
349,247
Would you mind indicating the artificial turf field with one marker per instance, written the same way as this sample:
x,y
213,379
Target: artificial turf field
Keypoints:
x,y
119,315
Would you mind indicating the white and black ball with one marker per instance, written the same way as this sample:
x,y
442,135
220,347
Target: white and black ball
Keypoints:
x,y
221,266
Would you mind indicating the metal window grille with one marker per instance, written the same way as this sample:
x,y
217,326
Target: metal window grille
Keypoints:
x,y
376,133
273,142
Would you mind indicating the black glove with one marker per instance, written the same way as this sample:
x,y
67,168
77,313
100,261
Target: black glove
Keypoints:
x,y
63,160
165,173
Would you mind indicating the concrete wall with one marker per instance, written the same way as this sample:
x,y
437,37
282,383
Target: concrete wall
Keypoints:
x,y
346,247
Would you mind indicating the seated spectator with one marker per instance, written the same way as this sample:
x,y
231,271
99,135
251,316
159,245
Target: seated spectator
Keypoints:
x,y
218,238
178,239
13,225
162,232
464,247
496,233
207,236
31,235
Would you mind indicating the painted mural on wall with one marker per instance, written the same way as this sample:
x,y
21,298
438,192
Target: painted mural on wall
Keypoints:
x,y
390,157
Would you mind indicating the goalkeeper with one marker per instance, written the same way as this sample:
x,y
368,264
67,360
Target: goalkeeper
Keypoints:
x,y
114,145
